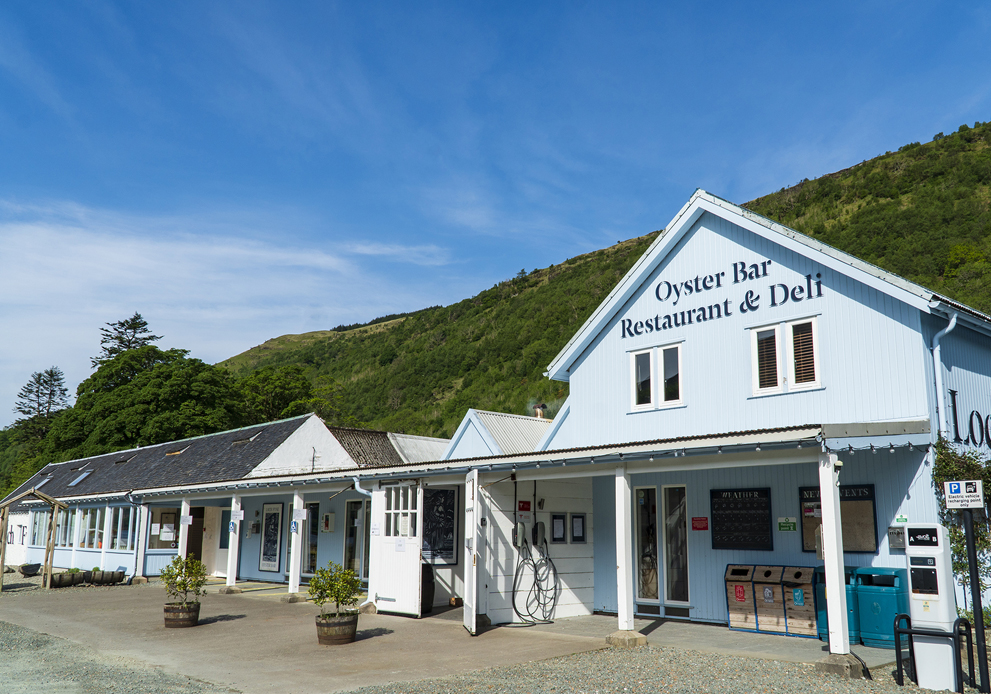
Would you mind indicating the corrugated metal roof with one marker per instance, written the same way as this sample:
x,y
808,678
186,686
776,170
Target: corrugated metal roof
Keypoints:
x,y
216,457
368,448
419,449
514,433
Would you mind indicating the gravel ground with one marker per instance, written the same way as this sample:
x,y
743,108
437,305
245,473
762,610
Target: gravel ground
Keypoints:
x,y
34,662
648,669
38,662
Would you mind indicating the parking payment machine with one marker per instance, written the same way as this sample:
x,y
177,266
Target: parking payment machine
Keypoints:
x,y
932,604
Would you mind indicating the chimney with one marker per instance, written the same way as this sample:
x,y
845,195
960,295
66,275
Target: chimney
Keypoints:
x,y
538,410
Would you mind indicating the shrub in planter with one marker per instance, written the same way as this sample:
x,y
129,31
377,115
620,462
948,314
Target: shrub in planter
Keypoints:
x,y
340,586
183,581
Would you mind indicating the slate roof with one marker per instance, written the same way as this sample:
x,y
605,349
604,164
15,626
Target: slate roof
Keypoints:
x,y
228,455
368,448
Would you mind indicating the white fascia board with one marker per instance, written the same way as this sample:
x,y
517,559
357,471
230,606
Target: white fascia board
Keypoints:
x,y
559,420
295,455
885,282
701,202
472,419
558,369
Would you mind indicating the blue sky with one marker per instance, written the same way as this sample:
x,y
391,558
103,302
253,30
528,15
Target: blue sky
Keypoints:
x,y
238,171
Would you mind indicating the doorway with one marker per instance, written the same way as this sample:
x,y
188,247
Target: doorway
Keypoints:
x,y
194,536
357,519
675,529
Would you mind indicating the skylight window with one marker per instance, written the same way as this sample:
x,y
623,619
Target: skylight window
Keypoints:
x,y
43,482
79,479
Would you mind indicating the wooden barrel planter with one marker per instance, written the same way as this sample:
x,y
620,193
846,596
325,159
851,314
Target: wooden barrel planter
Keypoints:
x,y
78,578
336,630
62,580
106,578
178,615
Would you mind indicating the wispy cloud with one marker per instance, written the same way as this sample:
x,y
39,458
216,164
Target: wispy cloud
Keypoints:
x,y
65,270
18,62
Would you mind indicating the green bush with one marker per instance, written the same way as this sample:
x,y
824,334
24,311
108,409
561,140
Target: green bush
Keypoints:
x,y
335,584
182,577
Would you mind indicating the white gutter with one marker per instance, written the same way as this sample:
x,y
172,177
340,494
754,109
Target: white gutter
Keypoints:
x,y
938,369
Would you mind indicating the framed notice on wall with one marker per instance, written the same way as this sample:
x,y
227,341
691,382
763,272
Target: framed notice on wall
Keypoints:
x,y
741,518
857,513
440,526
269,556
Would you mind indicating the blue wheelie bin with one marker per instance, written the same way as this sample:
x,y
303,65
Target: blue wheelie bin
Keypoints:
x,y
882,593
852,611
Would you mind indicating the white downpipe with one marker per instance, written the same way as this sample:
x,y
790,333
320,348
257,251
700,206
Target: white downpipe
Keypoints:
x,y
938,370
357,488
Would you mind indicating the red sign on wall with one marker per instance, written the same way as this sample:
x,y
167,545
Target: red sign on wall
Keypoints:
x,y
700,523
523,506
740,593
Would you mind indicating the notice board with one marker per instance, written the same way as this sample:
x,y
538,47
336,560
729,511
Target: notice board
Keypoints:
x,y
741,518
857,515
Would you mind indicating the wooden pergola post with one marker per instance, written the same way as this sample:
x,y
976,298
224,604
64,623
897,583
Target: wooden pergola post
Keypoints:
x,y
55,504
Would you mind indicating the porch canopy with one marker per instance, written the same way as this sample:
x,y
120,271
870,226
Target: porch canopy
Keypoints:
x,y
821,444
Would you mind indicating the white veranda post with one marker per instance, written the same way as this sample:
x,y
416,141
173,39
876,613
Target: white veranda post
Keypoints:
x,y
184,528
295,555
624,549
832,551
235,534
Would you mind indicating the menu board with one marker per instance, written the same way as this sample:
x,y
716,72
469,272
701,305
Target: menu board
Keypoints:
x,y
857,515
741,519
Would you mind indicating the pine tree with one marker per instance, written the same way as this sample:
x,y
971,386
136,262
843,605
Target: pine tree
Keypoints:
x,y
121,336
43,395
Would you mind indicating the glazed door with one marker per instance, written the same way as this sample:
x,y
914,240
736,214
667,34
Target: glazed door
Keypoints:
x,y
397,528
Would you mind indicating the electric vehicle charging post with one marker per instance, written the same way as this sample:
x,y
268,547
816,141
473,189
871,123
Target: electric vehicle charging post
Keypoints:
x,y
932,604
967,495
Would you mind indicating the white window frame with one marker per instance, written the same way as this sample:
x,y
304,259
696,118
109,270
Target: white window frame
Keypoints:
x,y
659,360
784,344
662,538
657,401
790,350
754,365
634,407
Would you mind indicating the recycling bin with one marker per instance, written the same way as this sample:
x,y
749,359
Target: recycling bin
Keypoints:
x,y
882,593
800,611
740,606
769,599
852,609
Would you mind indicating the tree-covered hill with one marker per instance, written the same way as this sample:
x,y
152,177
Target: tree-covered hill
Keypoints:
x,y
420,373
921,212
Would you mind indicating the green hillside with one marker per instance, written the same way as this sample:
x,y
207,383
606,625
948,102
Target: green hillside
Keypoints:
x,y
921,212
420,373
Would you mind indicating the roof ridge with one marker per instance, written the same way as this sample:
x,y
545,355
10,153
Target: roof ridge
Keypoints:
x,y
171,443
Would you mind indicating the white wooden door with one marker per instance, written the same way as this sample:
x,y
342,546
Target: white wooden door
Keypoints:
x,y
473,557
397,528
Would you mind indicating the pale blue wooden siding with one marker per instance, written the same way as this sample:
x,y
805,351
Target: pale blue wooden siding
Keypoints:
x,y
872,355
966,365
892,475
470,444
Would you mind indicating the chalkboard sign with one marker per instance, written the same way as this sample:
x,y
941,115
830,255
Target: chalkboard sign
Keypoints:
x,y
741,519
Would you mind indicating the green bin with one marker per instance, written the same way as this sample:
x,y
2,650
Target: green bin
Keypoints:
x,y
882,593
852,612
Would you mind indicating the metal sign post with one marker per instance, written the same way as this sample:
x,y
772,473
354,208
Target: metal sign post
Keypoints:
x,y
967,495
